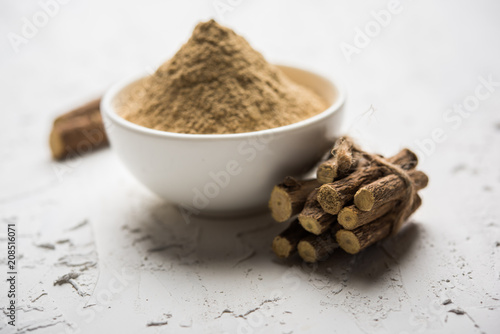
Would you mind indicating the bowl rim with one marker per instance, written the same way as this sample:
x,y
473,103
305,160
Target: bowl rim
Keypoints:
x,y
108,110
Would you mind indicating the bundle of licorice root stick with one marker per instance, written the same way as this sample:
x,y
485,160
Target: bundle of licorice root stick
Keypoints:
x,y
356,200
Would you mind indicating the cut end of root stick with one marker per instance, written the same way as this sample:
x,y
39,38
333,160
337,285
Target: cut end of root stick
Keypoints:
x,y
307,252
329,199
326,173
310,224
348,218
348,241
280,205
282,247
364,200
56,145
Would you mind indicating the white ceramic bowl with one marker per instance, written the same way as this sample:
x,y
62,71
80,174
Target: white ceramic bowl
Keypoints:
x,y
223,173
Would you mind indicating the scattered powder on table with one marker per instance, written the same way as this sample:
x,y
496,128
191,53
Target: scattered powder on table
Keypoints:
x,y
217,83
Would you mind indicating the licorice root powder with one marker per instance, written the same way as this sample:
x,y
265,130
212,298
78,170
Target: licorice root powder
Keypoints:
x,y
218,84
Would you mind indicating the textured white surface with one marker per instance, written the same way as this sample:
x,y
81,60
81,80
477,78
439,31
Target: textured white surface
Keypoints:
x,y
142,264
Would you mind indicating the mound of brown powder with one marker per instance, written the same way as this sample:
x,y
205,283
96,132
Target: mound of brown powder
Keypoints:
x,y
217,83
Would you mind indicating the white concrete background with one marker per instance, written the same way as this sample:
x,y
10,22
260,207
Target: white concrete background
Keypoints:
x,y
142,264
